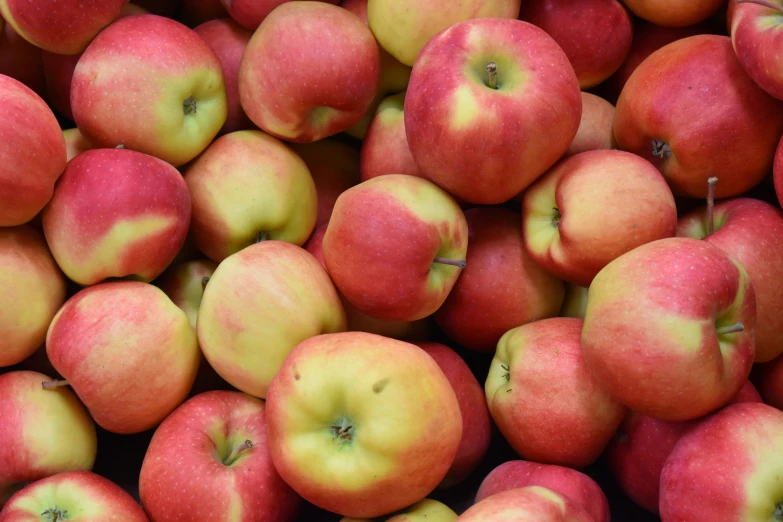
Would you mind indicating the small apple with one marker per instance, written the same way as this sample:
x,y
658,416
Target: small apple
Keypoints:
x,y
426,510
674,13
595,126
75,143
534,503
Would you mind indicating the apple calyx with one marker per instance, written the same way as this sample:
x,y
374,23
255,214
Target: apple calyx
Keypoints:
x,y
764,3
461,263
204,281
190,106
507,374
54,515
730,329
51,385
342,431
661,149
235,454
556,217
711,204
778,514
492,75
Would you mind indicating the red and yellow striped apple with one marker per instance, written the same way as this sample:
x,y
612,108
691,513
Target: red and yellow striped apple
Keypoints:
x,y
528,503
385,146
595,126
756,41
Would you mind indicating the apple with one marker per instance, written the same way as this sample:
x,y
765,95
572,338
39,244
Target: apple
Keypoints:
x,y
33,290
385,146
426,510
258,305
75,143
593,207
211,455
595,126
678,107
169,104
228,39
534,503
144,206
752,28
395,246
476,422
491,104
75,496
127,351
544,400
250,13
768,377
404,27
575,301
670,327
302,93
360,424
33,144
674,13
196,12
501,287
566,481
727,468
20,59
777,172
44,432
247,187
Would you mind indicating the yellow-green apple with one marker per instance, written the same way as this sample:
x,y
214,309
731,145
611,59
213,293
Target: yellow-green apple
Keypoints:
x,y
334,166
73,496
575,301
595,126
566,481
501,287
670,327
755,39
228,39
60,26
20,59
727,468
307,96
127,351
170,104
44,432
196,12
491,104
385,146
768,377
543,398
395,246
250,13
679,105
258,305
674,13
743,227
563,212
33,290
247,187
534,503
476,422
362,425
33,154
426,510
404,27
596,35
640,447
75,143
211,456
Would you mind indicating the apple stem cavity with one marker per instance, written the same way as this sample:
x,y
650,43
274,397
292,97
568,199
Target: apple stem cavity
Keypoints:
x,y
733,328
763,3
234,456
190,106
204,281
453,262
711,204
492,75
661,149
51,385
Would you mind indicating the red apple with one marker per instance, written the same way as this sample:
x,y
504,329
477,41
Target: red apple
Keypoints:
x,y
250,13
674,13
768,377
385,146
756,41
533,503
491,104
20,59
595,126
777,172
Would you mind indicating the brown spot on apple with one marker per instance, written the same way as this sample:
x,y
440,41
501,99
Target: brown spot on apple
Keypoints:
x,y
380,385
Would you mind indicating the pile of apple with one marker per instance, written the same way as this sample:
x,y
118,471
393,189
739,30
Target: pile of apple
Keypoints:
x,y
328,253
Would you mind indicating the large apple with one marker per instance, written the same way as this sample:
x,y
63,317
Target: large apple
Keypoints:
x,y
385,146
544,400
534,503
75,143
20,59
302,93
247,187
426,510
127,351
250,13
756,41
31,448
33,154
678,107
258,305
395,245
144,209
595,126
674,13
362,425
211,454
491,104
501,286
670,327
33,290
170,104
593,207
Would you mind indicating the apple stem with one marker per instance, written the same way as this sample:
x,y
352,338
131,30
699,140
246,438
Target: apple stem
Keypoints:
x,y
453,262
238,451
120,146
734,328
763,3
204,281
492,75
190,105
711,204
50,385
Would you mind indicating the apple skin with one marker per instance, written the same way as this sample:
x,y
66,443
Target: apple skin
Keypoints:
x,y
382,241
486,145
29,275
300,96
534,503
727,468
566,481
426,510
501,287
31,449
639,450
388,400
595,126
258,305
127,351
690,95
650,330
20,59
575,301
768,377
476,422
564,212
62,27
544,400
754,35
75,143
117,98
250,13
248,184
82,495
33,143
195,462
146,212
674,13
